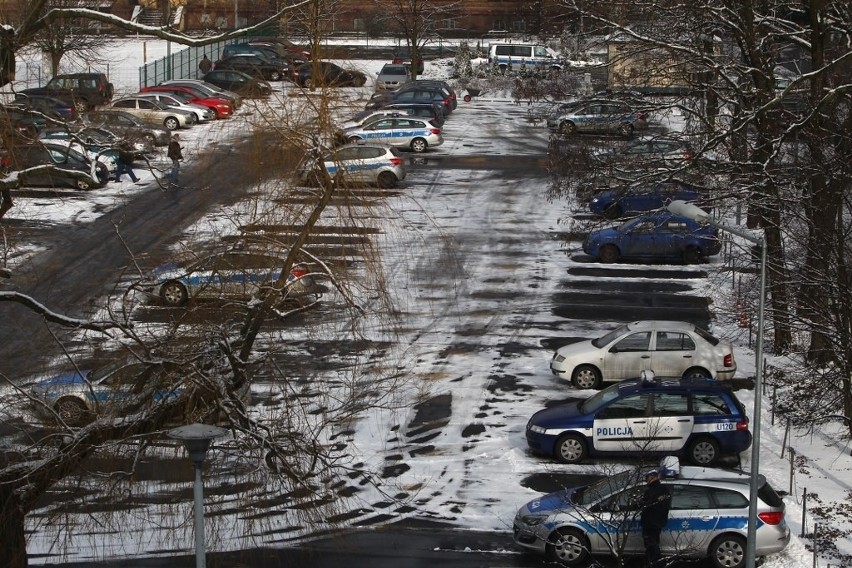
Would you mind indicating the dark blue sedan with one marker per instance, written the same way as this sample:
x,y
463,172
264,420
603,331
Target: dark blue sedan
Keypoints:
x,y
654,237
638,198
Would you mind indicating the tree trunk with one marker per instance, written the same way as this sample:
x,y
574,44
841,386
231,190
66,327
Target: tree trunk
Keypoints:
x,y
13,541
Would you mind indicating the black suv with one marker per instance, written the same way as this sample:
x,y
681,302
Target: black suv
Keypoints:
x,y
84,90
255,65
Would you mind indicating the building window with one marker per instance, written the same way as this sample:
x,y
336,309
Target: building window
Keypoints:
x,y
358,24
499,25
449,24
519,25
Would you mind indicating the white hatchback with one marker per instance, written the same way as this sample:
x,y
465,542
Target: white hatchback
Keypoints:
x,y
669,348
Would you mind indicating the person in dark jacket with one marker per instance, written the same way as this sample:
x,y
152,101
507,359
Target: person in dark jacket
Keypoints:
x,y
205,65
175,154
124,165
654,505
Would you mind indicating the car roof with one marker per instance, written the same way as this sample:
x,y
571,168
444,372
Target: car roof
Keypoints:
x,y
664,325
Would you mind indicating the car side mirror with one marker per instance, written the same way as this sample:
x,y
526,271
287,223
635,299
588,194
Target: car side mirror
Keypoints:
x,y
614,349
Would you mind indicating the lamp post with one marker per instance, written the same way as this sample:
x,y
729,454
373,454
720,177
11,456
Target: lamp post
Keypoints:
x,y
196,439
697,214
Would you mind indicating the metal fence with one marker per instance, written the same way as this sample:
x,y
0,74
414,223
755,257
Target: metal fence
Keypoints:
x,y
182,64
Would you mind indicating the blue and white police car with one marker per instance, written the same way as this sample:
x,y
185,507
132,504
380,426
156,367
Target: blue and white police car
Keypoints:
x,y
708,518
360,162
698,418
414,133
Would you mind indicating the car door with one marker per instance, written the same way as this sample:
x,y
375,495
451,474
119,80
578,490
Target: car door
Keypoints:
x,y
615,523
674,352
382,131
627,357
670,423
584,118
344,161
640,239
670,239
693,520
622,425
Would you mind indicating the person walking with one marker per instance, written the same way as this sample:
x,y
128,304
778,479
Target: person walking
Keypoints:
x,y
205,65
175,154
655,504
125,163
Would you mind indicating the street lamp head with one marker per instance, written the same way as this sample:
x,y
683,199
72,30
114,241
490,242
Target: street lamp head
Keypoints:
x,y
688,210
196,439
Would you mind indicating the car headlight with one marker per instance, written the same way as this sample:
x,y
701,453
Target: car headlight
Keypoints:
x,y
558,358
533,520
537,429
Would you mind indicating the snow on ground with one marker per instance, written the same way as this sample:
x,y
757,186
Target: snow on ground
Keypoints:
x,y
473,480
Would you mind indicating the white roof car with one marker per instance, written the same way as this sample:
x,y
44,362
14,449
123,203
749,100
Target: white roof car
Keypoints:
x,y
392,76
175,101
414,133
669,348
153,112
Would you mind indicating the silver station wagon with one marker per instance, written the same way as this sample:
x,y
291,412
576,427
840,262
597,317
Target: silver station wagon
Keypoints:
x,y
708,518
414,133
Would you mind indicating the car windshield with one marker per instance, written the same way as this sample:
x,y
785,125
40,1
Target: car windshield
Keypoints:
x,y
393,70
590,494
610,337
596,402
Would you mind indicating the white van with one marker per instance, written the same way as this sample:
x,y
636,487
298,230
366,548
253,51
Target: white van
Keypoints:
x,y
527,54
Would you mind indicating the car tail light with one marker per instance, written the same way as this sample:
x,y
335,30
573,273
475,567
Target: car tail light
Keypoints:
x,y
771,517
396,161
435,130
742,425
641,116
728,361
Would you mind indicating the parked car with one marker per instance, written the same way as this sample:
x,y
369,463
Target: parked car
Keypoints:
x,y
420,83
669,348
433,112
641,197
701,420
68,164
270,50
602,117
648,152
84,91
357,163
238,82
708,518
53,108
393,76
21,122
219,105
155,113
77,396
228,274
127,126
331,75
407,95
363,117
256,65
657,236
283,47
205,89
180,101
95,144
414,133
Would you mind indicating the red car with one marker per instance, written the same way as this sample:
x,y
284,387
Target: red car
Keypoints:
x,y
221,107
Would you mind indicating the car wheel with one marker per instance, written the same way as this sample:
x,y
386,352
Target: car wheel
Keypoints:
x,y
275,76
608,254
728,551
71,411
697,374
568,547
692,255
419,145
703,451
568,127
614,211
386,180
81,106
626,130
173,293
586,377
467,98
171,123
82,184
570,448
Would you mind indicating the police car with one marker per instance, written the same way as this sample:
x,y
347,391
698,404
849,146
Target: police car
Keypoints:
x,y
360,162
708,518
698,418
414,133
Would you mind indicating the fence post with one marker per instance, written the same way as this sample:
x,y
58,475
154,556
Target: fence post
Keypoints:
x,y
792,459
784,442
816,531
804,511
772,413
